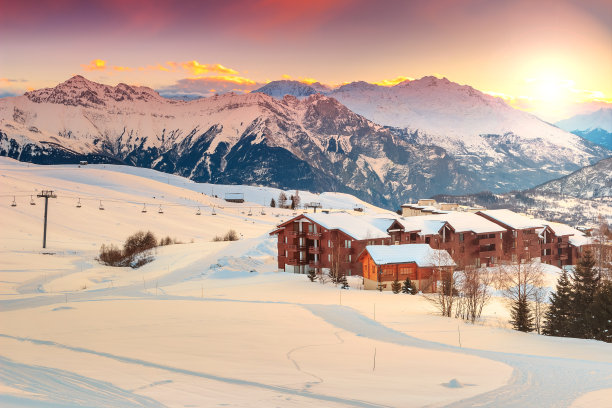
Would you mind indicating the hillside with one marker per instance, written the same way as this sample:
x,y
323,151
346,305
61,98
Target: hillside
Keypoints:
x,y
506,147
589,182
315,143
595,127
99,335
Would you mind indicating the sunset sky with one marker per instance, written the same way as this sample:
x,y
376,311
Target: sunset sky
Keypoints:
x,y
552,57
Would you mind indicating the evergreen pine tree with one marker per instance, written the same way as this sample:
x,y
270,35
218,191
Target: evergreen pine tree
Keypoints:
x,y
272,203
312,275
344,282
586,281
559,314
522,319
601,312
407,287
396,286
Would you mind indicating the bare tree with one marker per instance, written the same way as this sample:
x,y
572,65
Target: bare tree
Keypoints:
x,y
473,285
540,306
521,281
446,278
602,251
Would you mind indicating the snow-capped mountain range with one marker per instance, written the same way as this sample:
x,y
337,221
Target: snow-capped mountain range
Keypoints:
x,y
595,126
313,142
589,182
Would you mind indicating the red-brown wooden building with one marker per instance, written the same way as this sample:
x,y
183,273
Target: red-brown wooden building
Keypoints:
x,y
521,240
316,241
424,266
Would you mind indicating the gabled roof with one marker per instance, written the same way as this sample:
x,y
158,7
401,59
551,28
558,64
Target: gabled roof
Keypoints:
x,y
512,219
423,224
359,227
421,254
467,221
561,229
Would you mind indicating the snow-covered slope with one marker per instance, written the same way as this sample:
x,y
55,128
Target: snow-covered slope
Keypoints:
x,y
214,323
589,182
595,127
315,143
600,119
481,131
312,144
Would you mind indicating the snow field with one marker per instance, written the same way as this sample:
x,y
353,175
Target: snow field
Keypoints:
x,y
214,324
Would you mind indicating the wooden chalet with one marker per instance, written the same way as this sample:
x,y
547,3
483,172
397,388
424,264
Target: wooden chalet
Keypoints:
x,y
424,266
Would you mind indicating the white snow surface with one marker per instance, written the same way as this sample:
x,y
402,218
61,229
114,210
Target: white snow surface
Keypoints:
x,y
357,226
514,220
215,324
421,254
600,119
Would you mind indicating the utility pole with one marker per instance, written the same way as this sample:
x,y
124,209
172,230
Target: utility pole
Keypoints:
x,y
46,194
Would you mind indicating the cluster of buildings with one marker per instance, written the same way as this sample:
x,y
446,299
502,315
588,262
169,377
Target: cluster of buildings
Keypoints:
x,y
383,248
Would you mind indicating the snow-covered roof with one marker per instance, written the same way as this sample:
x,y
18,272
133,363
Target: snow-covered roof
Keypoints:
x,y
465,221
579,240
424,224
460,221
512,219
357,226
422,254
562,229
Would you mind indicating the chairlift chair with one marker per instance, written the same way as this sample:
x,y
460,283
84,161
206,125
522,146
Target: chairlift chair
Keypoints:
x,y
101,207
79,204
32,202
144,208
250,213
263,212
198,212
213,211
14,203
160,211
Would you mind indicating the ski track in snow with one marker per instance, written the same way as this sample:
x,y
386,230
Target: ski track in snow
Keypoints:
x,y
63,388
149,364
536,381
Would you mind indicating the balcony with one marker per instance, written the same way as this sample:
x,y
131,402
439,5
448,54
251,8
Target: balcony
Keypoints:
x,y
291,247
314,264
293,233
313,235
314,250
487,241
487,254
564,245
563,257
295,261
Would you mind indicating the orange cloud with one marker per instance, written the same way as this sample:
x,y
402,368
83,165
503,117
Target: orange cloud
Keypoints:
x,y
121,69
394,81
231,79
195,68
95,65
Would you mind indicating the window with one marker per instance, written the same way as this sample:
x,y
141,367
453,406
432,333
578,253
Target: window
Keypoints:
x,y
329,257
349,258
347,243
286,253
285,240
513,244
461,237
330,243
427,240
348,272
477,263
513,257
514,233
